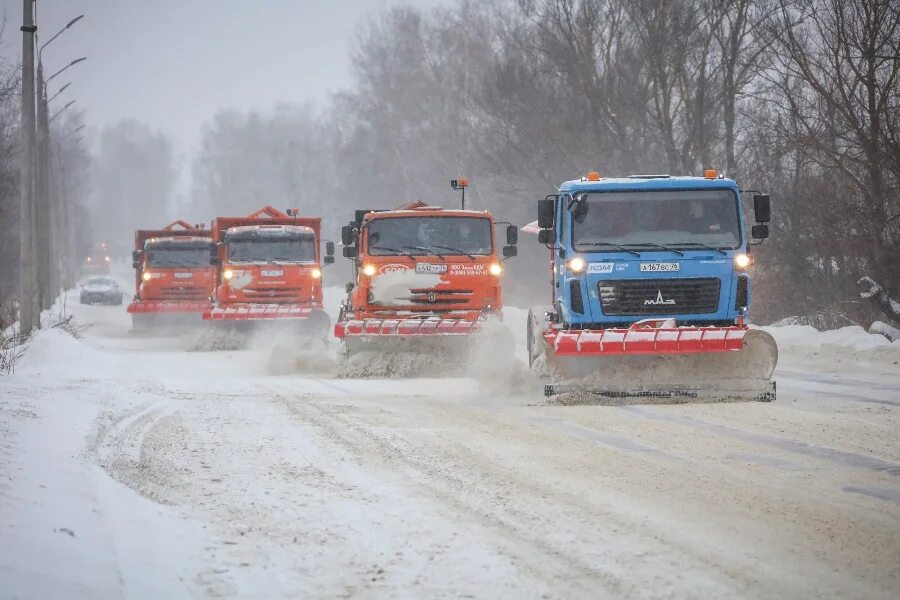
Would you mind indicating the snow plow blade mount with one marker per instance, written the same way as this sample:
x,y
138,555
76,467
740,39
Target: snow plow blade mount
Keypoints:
x,y
399,328
167,307
258,312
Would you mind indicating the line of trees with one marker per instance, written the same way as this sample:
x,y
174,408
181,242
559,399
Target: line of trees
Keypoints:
x,y
62,183
9,187
800,98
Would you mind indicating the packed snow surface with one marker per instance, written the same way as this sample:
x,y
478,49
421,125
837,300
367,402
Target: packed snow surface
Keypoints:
x,y
132,467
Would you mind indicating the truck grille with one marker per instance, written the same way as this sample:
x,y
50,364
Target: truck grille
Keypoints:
x,y
439,296
183,293
659,296
272,295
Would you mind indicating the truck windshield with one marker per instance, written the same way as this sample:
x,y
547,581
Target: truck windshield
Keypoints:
x,y
297,249
173,256
441,236
678,219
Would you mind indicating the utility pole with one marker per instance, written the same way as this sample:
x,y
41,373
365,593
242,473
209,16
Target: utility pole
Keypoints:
x,y
29,313
45,221
49,221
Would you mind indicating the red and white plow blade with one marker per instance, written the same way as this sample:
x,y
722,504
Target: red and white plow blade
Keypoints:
x,y
677,340
405,327
167,307
257,312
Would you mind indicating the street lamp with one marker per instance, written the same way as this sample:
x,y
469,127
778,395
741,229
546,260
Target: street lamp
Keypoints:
x,y
59,92
73,132
49,211
71,64
59,112
58,33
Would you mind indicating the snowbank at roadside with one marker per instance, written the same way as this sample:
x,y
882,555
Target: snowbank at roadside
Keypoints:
x,y
55,353
836,347
852,338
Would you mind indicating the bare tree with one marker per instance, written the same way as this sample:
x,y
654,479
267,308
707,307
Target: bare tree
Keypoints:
x,y
838,66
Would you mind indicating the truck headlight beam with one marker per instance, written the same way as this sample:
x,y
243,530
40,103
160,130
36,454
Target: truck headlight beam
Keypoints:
x,y
576,264
743,261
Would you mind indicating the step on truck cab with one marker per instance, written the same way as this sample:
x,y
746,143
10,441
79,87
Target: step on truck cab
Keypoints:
x,y
269,267
173,277
650,280
421,271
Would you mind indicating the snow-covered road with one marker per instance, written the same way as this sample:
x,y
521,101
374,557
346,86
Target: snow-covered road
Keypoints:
x,y
133,467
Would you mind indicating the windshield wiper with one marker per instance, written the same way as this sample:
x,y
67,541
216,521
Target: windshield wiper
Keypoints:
x,y
699,244
664,247
386,249
622,248
425,249
472,256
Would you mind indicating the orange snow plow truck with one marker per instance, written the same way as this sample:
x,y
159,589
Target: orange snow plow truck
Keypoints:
x,y
269,267
173,277
422,274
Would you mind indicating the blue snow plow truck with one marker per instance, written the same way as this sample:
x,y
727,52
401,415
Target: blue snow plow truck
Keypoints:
x,y
650,280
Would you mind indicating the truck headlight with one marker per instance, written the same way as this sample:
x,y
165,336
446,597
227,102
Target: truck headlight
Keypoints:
x,y
742,261
369,270
227,274
576,264
495,269
316,273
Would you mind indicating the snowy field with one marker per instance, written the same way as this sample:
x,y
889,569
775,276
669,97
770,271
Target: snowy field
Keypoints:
x,y
134,467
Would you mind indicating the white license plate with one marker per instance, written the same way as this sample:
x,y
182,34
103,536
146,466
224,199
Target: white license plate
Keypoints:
x,y
273,273
183,275
660,267
431,268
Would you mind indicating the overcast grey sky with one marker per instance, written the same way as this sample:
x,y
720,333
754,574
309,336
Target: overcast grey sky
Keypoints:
x,y
173,63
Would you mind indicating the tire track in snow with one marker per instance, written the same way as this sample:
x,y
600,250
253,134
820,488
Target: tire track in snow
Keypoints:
x,y
520,509
832,455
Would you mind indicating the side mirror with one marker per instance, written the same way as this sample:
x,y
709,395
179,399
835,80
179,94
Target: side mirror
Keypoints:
x,y
510,251
215,261
762,210
329,259
350,251
135,264
347,235
512,235
760,232
546,212
545,236
329,249
136,255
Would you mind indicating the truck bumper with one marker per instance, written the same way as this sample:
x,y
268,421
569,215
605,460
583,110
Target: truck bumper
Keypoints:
x,y
166,306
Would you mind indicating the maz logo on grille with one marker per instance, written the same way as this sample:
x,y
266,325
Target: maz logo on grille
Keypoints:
x,y
659,300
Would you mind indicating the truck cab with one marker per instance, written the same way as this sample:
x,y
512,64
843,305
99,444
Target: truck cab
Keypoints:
x,y
649,247
172,274
421,261
174,269
269,266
